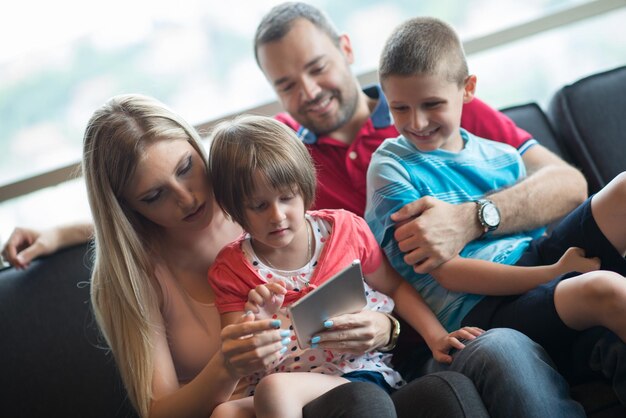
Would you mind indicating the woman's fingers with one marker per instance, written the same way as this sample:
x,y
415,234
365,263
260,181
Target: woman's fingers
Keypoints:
x,y
249,346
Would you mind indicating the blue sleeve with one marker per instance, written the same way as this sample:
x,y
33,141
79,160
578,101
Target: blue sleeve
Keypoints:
x,y
390,186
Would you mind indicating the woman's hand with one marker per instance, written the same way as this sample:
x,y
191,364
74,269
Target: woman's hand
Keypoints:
x,y
249,346
266,299
454,340
356,333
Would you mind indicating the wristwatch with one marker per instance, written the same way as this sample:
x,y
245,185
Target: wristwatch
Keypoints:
x,y
488,215
393,336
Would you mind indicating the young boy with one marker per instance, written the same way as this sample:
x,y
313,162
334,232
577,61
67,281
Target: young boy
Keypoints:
x,y
424,75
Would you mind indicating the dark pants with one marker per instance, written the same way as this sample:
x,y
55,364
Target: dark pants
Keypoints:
x,y
441,394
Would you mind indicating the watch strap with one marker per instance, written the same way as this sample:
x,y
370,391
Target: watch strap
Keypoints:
x,y
393,335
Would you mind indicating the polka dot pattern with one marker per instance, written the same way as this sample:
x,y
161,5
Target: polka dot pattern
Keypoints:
x,y
317,360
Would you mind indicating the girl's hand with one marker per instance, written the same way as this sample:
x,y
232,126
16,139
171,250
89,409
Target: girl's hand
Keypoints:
x,y
249,346
574,260
454,340
356,333
266,299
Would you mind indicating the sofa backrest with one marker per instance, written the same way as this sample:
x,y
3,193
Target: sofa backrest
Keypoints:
x,y
531,118
52,359
591,118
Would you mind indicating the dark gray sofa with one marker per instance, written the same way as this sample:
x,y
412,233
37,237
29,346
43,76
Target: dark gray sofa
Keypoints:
x,y
52,360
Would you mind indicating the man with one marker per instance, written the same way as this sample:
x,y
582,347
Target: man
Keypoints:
x,y
308,65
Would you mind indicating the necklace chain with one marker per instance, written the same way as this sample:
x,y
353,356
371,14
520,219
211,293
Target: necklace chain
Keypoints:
x,y
309,255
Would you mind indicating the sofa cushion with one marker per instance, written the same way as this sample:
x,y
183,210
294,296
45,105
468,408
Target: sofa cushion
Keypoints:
x,y
52,357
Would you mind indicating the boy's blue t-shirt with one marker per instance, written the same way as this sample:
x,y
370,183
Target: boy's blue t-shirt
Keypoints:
x,y
399,173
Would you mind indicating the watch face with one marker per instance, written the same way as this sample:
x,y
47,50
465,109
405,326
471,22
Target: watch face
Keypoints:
x,y
491,216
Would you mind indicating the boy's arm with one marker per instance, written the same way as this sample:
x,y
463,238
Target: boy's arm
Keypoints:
x,y
488,278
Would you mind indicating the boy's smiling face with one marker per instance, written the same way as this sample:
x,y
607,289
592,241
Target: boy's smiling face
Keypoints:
x,y
426,109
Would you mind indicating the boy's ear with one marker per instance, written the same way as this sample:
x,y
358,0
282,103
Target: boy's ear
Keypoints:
x,y
346,48
469,89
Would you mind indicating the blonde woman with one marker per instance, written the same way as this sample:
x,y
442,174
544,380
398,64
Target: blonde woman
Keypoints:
x,y
157,231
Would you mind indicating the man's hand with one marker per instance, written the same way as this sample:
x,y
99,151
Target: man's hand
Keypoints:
x,y
430,232
25,244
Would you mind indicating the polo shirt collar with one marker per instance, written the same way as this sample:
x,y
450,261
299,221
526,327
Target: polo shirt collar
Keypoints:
x,y
381,117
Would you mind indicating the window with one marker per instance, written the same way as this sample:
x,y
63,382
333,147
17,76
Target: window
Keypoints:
x,y
197,57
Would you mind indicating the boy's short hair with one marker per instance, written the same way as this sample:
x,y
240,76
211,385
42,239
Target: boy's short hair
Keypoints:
x,y
246,145
279,20
424,45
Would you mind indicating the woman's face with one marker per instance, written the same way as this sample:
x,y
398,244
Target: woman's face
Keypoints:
x,y
170,186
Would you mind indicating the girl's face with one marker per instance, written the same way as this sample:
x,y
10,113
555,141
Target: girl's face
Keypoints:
x,y
275,217
170,186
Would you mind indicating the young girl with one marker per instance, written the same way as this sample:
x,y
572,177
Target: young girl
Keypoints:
x,y
287,253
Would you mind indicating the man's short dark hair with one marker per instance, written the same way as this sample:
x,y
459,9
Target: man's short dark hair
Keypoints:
x,y
279,20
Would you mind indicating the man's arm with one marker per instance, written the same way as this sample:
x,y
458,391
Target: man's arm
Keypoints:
x,y
432,232
24,244
552,189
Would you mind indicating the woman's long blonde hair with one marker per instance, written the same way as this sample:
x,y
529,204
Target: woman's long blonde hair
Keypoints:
x,y
124,293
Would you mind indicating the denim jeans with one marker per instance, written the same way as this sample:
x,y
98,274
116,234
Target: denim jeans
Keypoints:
x,y
513,375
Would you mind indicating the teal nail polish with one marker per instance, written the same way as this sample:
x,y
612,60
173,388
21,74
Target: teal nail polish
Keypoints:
x,y
285,333
328,324
313,345
275,323
286,341
315,340
283,350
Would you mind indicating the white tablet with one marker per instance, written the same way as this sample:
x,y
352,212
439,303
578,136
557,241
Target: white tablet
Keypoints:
x,y
341,294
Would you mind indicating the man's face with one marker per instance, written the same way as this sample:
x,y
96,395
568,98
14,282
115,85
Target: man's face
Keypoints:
x,y
311,76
